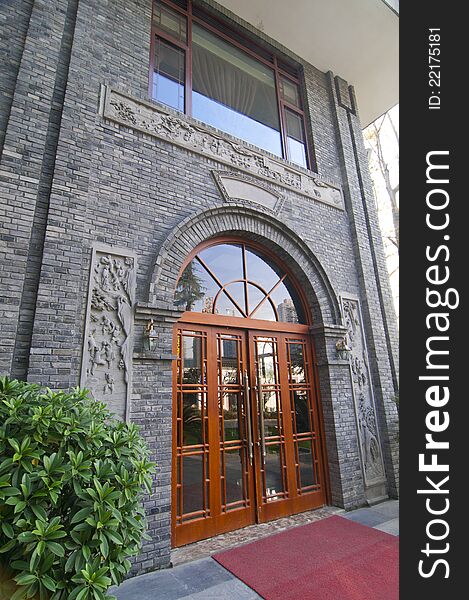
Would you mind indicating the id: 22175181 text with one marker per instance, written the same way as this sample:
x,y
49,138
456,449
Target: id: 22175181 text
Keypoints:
x,y
434,69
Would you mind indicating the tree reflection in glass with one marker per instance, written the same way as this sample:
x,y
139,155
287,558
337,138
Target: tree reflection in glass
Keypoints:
x,y
190,288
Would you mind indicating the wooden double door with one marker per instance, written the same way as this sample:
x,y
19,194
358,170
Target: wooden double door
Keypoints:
x,y
246,430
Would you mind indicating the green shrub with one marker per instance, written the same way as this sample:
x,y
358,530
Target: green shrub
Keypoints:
x,y
71,484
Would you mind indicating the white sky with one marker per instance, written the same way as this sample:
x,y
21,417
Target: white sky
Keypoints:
x,y
391,156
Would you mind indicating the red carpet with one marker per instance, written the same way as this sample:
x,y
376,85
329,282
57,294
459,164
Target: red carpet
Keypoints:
x,y
332,559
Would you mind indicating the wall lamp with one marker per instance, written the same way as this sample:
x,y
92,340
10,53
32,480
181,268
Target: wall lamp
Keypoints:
x,y
150,336
342,349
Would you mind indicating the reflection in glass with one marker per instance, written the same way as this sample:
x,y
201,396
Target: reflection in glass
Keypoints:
x,y
306,467
273,472
302,414
169,75
289,91
229,369
171,21
284,299
192,418
296,139
224,305
265,311
193,483
270,407
234,476
297,364
225,261
266,362
230,405
192,360
194,286
233,92
261,270
216,282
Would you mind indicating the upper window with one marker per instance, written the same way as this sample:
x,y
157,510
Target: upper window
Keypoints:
x,y
235,280
198,69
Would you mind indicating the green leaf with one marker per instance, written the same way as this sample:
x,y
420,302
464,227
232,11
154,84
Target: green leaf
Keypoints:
x,y
7,529
81,515
83,594
104,547
25,579
21,505
57,549
114,537
19,594
39,512
48,583
8,546
70,562
10,491
26,537
56,535
74,593
34,562
86,553
14,444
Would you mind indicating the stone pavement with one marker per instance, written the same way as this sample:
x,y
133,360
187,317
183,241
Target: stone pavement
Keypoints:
x,y
196,576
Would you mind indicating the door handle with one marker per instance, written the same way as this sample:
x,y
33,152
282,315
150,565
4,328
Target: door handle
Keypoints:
x,y
247,395
261,416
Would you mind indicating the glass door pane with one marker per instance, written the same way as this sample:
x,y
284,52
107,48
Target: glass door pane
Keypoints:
x,y
269,417
192,428
232,422
302,415
212,474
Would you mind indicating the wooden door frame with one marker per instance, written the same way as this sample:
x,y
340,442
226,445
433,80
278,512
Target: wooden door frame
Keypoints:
x,y
250,327
192,320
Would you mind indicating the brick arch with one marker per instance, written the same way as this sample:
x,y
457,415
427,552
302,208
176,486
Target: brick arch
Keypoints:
x,y
251,225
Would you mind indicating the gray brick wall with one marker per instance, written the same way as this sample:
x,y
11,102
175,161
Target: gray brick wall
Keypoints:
x,y
14,22
80,179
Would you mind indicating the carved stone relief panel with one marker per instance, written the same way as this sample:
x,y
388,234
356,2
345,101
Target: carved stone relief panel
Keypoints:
x,y
107,349
158,121
370,446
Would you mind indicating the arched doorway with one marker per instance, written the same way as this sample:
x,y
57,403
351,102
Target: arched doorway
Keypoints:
x,y
247,443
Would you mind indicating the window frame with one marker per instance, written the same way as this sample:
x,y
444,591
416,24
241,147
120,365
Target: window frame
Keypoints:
x,y
265,254
273,64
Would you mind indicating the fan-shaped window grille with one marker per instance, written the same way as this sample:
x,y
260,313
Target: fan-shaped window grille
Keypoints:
x,y
236,280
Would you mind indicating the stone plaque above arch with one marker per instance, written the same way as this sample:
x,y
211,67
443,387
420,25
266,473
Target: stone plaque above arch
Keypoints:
x,y
240,188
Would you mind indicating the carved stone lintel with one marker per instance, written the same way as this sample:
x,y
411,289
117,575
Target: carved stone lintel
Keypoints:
x,y
107,350
368,433
158,121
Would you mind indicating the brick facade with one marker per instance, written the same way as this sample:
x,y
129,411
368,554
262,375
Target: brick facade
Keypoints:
x,y
71,178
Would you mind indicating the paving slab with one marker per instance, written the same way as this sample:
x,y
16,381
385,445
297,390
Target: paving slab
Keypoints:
x,y
391,527
366,517
230,590
197,580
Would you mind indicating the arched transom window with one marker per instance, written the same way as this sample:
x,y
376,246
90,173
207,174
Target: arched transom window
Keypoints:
x,y
236,280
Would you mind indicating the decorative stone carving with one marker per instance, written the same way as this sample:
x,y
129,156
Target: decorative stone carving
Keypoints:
x,y
370,446
158,121
107,351
237,187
